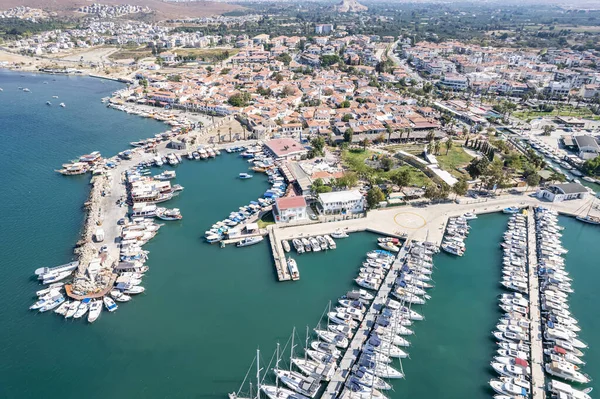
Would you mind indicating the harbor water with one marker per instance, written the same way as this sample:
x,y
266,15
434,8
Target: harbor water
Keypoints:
x,y
194,332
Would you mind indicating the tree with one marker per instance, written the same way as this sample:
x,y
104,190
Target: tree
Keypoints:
x,y
319,187
318,144
348,135
278,78
345,104
436,146
365,142
448,144
374,197
387,163
401,178
557,177
239,99
548,129
460,187
349,180
288,90
347,117
285,58
533,180
478,167
327,60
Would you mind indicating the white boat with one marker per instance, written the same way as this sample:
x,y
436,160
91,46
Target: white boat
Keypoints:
x,y
54,277
388,246
110,304
62,309
95,310
566,391
63,268
72,309
311,367
53,303
286,245
453,249
46,299
567,372
168,214
293,269
339,234
82,309
249,241
119,296
62,105
275,392
307,386
133,290
509,389
333,338
51,287
470,216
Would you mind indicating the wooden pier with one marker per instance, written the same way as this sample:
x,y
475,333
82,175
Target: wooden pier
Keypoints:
x,y
336,386
283,274
537,350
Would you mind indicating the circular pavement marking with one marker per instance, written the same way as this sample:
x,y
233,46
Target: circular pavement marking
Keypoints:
x,y
409,220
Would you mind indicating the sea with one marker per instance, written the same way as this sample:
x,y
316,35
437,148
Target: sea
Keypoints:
x,y
206,309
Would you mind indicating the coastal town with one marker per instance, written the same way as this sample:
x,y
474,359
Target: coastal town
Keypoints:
x,y
409,140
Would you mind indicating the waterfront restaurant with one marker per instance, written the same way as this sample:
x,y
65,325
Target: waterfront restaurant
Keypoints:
x,y
342,202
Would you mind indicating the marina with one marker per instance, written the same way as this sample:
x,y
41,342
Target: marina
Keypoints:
x,y
164,279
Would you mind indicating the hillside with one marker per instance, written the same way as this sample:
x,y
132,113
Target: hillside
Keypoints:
x,y
163,10
350,6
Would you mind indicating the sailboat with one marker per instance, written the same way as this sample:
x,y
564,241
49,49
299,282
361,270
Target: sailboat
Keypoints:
x,y
587,218
236,395
275,392
294,380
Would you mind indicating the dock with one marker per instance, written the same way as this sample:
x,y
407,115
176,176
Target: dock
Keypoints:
x,y
283,274
537,350
337,384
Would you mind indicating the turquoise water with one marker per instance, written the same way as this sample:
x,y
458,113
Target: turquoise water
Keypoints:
x,y
581,240
206,309
453,346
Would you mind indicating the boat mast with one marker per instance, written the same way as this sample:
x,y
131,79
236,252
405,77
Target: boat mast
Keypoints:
x,y
277,368
306,345
292,348
257,373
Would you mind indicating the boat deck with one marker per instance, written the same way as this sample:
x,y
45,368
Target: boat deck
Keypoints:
x,y
537,350
99,294
336,388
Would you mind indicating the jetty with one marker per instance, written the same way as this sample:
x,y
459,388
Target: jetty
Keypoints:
x,y
336,386
537,350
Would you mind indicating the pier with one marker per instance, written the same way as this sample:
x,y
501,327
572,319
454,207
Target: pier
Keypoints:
x,y
537,350
335,387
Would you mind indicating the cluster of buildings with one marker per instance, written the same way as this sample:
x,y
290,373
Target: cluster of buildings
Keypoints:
x,y
26,13
508,71
112,11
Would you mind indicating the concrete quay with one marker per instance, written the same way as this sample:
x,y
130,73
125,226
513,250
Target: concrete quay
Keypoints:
x,y
336,386
537,349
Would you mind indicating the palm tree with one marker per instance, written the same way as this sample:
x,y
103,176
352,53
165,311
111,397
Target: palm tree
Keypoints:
x,y
230,140
430,147
449,143
408,131
430,136
436,146
365,143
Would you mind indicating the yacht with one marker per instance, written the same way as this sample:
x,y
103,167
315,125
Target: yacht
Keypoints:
x,y
332,338
566,391
293,269
567,372
307,386
95,309
275,392
249,241
509,389
311,367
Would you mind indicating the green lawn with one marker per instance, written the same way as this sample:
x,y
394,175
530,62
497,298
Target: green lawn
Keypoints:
x,y
456,158
355,161
562,111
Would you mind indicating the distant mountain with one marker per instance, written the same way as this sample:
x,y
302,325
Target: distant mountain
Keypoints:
x,y
350,6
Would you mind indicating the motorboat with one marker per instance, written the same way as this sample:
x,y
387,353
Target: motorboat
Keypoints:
x,y
389,246
62,309
470,216
82,308
339,234
286,245
245,176
52,303
453,249
95,310
566,371
511,210
110,304
119,296
566,391
72,309
249,241
168,214
509,389
63,268
53,277
293,269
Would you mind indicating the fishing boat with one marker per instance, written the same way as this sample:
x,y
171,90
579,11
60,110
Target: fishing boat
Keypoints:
x,y
168,214
110,304
95,310
249,241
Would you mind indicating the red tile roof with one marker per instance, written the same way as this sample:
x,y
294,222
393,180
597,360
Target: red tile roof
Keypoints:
x,y
290,202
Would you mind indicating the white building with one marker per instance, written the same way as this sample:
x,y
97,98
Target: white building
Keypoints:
x,y
323,29
290,209
587,146
563,192
454,81
351,201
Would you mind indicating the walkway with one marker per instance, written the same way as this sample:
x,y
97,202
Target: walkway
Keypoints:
x,y
537,354
336,384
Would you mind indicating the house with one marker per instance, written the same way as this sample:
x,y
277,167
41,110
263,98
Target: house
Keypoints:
x,y
290,209
285,148
563,192
587,146
344,202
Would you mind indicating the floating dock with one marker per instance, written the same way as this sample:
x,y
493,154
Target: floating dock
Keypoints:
x,y
336,386
537,349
